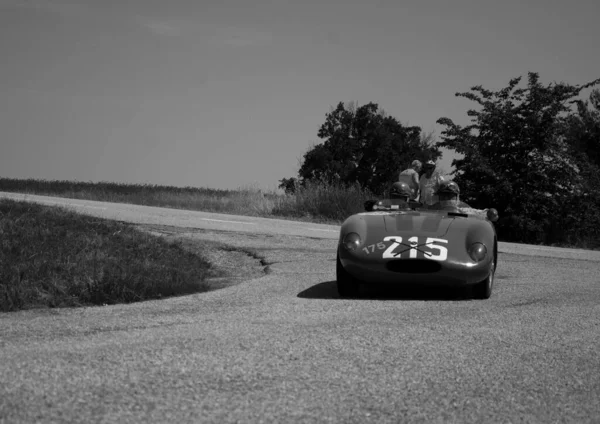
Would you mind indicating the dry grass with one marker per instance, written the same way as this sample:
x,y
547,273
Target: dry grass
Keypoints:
x,y
318,202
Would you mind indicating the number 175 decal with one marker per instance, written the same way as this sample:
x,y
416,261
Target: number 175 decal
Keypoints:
x,y
431,248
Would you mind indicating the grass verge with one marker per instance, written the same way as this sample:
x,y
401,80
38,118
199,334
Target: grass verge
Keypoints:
x,y
52,257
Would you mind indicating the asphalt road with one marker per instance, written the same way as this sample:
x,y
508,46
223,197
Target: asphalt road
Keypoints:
x,y
284,347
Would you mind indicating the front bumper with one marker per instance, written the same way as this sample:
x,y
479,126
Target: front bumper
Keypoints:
x,y
415,272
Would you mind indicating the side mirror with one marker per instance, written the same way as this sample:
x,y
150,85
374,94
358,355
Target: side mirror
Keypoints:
x,y
492,214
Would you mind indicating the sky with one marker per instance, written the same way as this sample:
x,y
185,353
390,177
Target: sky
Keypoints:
x,y
231,94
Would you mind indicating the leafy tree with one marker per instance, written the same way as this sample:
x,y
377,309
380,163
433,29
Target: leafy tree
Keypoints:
x,y
582,132
516,154
583,128
363,145
288,185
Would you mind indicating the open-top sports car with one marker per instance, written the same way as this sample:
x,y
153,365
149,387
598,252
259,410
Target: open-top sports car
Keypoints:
x,y
399,245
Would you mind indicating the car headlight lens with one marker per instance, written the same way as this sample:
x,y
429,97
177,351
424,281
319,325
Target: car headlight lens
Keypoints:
x,y
492,214
477,251
351,241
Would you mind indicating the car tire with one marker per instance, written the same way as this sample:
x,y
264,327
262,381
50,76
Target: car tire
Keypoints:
x,y
347,285
483,289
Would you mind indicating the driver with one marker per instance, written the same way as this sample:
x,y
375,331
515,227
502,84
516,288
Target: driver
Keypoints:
x,y
448,195
401,191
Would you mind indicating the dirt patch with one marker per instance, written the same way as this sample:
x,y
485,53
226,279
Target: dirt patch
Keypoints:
x,y
230,265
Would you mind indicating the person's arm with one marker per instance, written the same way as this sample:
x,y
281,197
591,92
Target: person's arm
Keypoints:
x,y
421,184
439,180
416,184
438,183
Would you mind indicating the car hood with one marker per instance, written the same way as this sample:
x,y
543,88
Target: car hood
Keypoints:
x,y
437,224
432,224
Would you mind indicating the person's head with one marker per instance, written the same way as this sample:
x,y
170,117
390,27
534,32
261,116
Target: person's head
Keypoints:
x,y
400,191
428,168
416,165
448,194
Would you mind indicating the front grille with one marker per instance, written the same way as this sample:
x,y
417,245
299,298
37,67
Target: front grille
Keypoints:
x,y
413,266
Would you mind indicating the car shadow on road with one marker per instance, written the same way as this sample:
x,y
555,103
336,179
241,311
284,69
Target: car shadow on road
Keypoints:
x,y
328,290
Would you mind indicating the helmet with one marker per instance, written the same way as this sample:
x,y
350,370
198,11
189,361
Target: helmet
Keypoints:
x,y
400,190
429,164
448,195
449,187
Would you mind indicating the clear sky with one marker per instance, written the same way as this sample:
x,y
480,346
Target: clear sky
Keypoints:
x,y
226,94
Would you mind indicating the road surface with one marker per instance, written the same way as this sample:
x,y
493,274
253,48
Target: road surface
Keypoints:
x,y
282,347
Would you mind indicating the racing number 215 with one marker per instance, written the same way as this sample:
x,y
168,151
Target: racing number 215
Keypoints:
x,y
437,252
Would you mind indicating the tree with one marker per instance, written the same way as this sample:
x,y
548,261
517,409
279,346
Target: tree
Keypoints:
x,y
516,154
583,128
366,146
582,132
288,185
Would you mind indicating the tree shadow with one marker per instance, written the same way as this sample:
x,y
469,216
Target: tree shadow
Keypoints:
x,y
328,290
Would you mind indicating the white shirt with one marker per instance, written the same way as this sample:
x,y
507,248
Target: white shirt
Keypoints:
x,y
428,187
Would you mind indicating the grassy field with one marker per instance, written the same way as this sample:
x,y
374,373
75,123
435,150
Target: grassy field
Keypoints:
x,y
52,257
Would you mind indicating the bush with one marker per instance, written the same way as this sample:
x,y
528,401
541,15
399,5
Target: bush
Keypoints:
x,y
323,201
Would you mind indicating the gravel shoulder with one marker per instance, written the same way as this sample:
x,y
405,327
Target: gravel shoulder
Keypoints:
x,y
231,264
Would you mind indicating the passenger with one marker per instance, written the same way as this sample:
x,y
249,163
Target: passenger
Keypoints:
x,y
411,177
429,184
448,195
400,193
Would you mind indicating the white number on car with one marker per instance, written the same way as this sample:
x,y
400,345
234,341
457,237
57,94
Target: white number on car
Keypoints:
x,y
442,250
396,240
379,246
433,248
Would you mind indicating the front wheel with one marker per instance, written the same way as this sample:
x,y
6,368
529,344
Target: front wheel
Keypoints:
x,y
483,289
347,285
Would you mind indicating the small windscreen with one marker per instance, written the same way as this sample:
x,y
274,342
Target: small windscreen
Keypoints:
x,y
458,214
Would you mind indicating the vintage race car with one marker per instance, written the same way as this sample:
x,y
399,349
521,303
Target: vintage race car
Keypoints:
x,y
399,246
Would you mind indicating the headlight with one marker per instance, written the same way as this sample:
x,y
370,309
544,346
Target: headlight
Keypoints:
x,y
477,251
351,241
492,214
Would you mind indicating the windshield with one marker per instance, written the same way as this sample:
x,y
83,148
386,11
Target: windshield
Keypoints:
x,y
395,204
